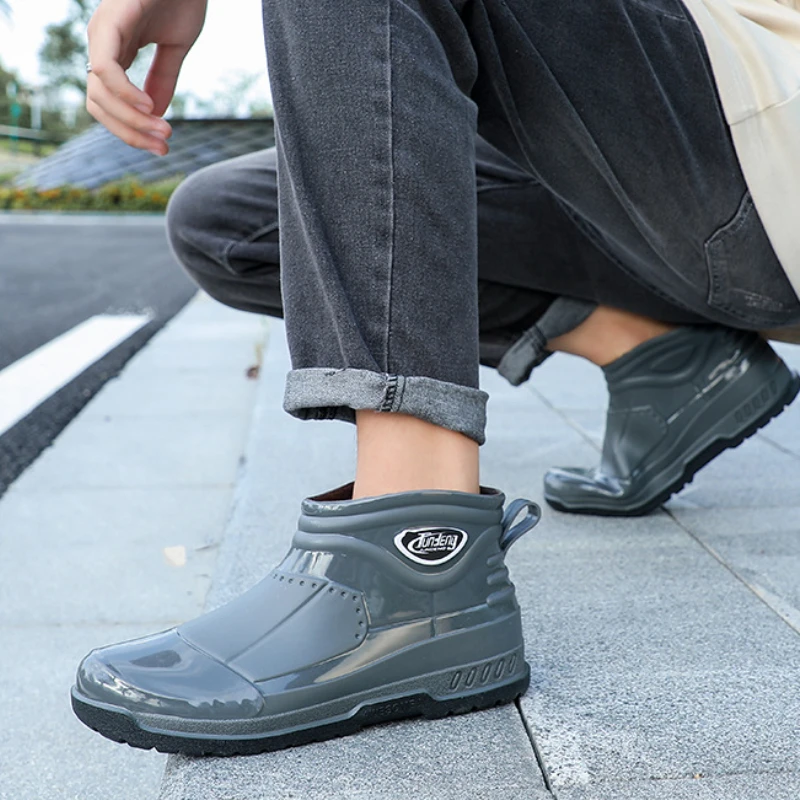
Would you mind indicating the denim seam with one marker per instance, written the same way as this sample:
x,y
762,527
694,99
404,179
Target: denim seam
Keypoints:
x,y
400,394
389,396
391,209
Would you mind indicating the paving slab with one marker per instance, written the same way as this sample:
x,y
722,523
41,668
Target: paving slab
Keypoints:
x,y
790,353
753,475
761,546
650,659
483,755
655,656
663,647
90,549
45,753
191,450
569,382
197,392
112,534
785,786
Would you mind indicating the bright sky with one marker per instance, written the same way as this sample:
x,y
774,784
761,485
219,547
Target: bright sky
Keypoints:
x,y
231,43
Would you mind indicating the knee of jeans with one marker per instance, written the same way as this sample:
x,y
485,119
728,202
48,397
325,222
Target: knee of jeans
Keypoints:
x,y
197,223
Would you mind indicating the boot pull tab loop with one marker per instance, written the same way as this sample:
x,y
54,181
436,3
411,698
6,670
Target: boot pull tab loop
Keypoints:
x,y
531,520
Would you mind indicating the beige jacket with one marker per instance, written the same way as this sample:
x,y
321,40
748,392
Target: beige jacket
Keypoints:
x,y
754,47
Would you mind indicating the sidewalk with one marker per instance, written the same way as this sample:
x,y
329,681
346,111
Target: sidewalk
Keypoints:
x,y
113,533
665,650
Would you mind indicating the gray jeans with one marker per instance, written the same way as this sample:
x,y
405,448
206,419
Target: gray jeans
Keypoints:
x,y
460,181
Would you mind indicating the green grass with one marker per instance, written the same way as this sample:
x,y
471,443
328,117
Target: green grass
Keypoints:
x,y
25,147
7,177
120,196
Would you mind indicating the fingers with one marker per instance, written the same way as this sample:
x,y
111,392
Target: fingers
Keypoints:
x,y
105,53
131,124
163,76
154,142
114,101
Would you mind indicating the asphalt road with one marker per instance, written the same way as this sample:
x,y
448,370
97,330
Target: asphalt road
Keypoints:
x,y
55,275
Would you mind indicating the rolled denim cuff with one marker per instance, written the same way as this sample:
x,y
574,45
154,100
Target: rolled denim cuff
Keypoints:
x,y
563,315
321,394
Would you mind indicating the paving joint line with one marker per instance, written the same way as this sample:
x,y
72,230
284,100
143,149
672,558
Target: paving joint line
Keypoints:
x,y
778,446
564,416
548,784
720,560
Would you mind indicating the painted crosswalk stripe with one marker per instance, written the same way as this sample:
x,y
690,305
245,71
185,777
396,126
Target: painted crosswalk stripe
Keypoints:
x,y
27,383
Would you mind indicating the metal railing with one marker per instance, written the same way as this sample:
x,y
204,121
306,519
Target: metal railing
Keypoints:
x,y
30,135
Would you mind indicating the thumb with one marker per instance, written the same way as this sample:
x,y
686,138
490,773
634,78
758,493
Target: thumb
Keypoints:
x,y
163,76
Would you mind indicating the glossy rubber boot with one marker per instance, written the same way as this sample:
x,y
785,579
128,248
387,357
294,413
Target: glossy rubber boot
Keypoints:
x,y
676,402
384,608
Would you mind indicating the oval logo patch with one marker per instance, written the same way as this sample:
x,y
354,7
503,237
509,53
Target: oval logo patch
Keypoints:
x,y
431,546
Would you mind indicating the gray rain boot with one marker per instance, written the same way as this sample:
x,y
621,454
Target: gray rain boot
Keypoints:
x,y
384,608
675,403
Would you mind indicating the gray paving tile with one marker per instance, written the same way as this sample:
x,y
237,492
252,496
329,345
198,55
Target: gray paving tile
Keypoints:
x,y
569,382
225,359
98,556
784,431
525,438
158,394
790,353
195,449
752,475
591,423
761,545
46,752
286,460
782,786
483,755
206,320
650,659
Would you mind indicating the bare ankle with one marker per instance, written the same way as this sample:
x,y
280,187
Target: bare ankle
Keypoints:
x,y
398,453
607,334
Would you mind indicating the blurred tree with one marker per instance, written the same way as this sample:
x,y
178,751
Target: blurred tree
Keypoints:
x,y
63,55
5,8
20,95
233,99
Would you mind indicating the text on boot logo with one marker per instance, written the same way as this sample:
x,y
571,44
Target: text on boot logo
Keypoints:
x,y
430,546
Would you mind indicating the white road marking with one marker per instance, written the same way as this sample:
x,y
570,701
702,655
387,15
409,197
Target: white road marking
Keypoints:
x,y
27,383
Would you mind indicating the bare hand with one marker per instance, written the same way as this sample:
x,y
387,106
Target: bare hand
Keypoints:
x,y
117,31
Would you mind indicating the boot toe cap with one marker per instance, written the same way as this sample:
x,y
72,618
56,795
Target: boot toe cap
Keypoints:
x,y
574,486
163,674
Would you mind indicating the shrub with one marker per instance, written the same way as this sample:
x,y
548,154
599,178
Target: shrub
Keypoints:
x,y
120,196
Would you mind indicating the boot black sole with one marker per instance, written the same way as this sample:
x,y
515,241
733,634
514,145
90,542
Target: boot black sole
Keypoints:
x,y
694,465
121,727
